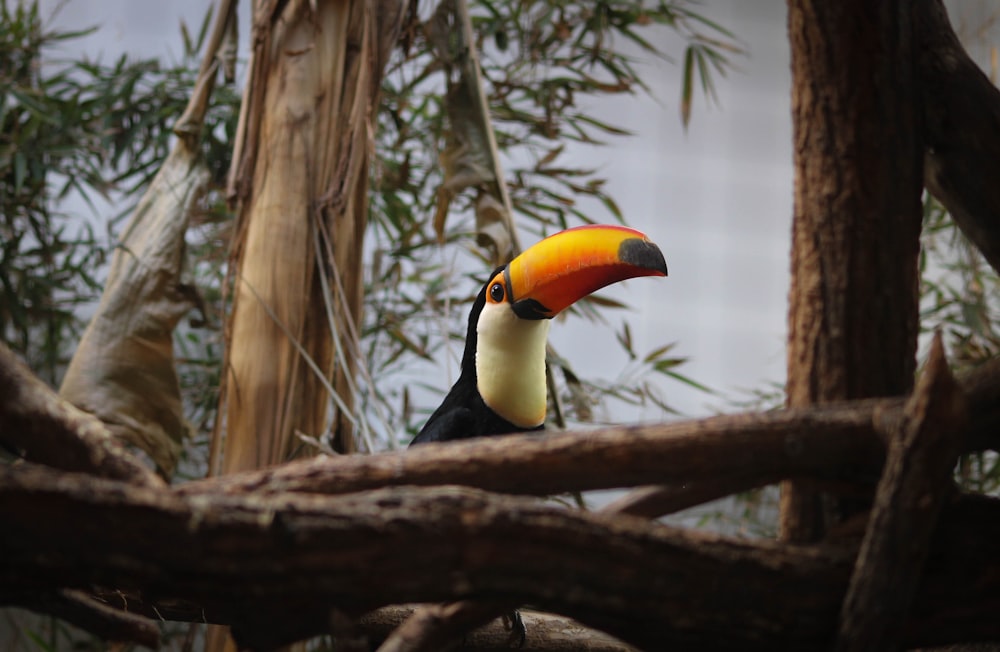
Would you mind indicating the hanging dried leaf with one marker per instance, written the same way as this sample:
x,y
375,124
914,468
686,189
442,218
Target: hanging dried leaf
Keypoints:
x,y
470,158
123,370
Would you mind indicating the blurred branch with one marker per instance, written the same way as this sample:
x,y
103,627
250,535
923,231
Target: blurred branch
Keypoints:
x,y
655,501
435,627
189,125
961,111
87,613
240,557
915,485
546,632
43,428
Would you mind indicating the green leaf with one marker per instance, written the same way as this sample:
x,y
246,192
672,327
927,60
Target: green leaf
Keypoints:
x,y
687,86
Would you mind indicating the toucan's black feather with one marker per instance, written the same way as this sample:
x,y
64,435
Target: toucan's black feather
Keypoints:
x,y
463,413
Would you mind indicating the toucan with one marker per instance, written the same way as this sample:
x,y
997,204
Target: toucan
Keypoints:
x,y
501,388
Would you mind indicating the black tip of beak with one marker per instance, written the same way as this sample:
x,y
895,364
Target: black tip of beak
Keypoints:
x,y
531,309
642,253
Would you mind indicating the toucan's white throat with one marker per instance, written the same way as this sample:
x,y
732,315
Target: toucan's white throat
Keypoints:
x,y
510,364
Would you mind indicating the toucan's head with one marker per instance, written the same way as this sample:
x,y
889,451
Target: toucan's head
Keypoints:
x,y
509,324
565,267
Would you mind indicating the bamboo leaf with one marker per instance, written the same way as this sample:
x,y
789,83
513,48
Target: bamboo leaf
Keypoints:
x,y
687,86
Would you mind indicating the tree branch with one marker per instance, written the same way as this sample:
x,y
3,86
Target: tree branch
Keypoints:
x,y
654,501
546,632
296,557
909,498
761,448
961,111
262,537
438,626
83,611
837,441
44,428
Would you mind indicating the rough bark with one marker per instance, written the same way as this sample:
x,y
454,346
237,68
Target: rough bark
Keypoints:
x,y
760,448
296,557
84,611
853,299
914,487
265,536
961,121
836,442
41,427
818,443
546,633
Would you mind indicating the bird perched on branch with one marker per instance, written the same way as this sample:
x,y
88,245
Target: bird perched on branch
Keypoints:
x,y
501,388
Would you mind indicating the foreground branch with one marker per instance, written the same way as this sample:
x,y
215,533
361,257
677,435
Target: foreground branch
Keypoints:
x,y
295,557
44,428
263,538
83,611
961,117
909,498
546,633
842,442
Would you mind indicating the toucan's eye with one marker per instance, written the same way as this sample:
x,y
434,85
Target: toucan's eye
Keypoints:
x,y
496,292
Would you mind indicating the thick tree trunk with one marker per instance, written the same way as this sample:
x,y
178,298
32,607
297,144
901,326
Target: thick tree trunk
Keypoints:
x,y
853,302
301,176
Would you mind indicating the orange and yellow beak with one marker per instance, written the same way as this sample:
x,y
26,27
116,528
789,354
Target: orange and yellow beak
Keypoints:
x,y
563,268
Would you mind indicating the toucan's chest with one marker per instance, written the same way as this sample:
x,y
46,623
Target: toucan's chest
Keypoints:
x,y
510,365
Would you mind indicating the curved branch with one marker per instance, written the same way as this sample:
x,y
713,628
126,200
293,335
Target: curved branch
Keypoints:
x,y
296,557
761,448
46,429
546,633
83,611
961,108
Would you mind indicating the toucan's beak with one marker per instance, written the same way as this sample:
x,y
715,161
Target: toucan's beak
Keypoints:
x,y
563,268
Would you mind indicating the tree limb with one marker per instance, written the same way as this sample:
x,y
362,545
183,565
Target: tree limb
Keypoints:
x,y
909,498
961,118
172,530
654,501
83,611
762,448
296,557
46,429
839,441
439,626
546,632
